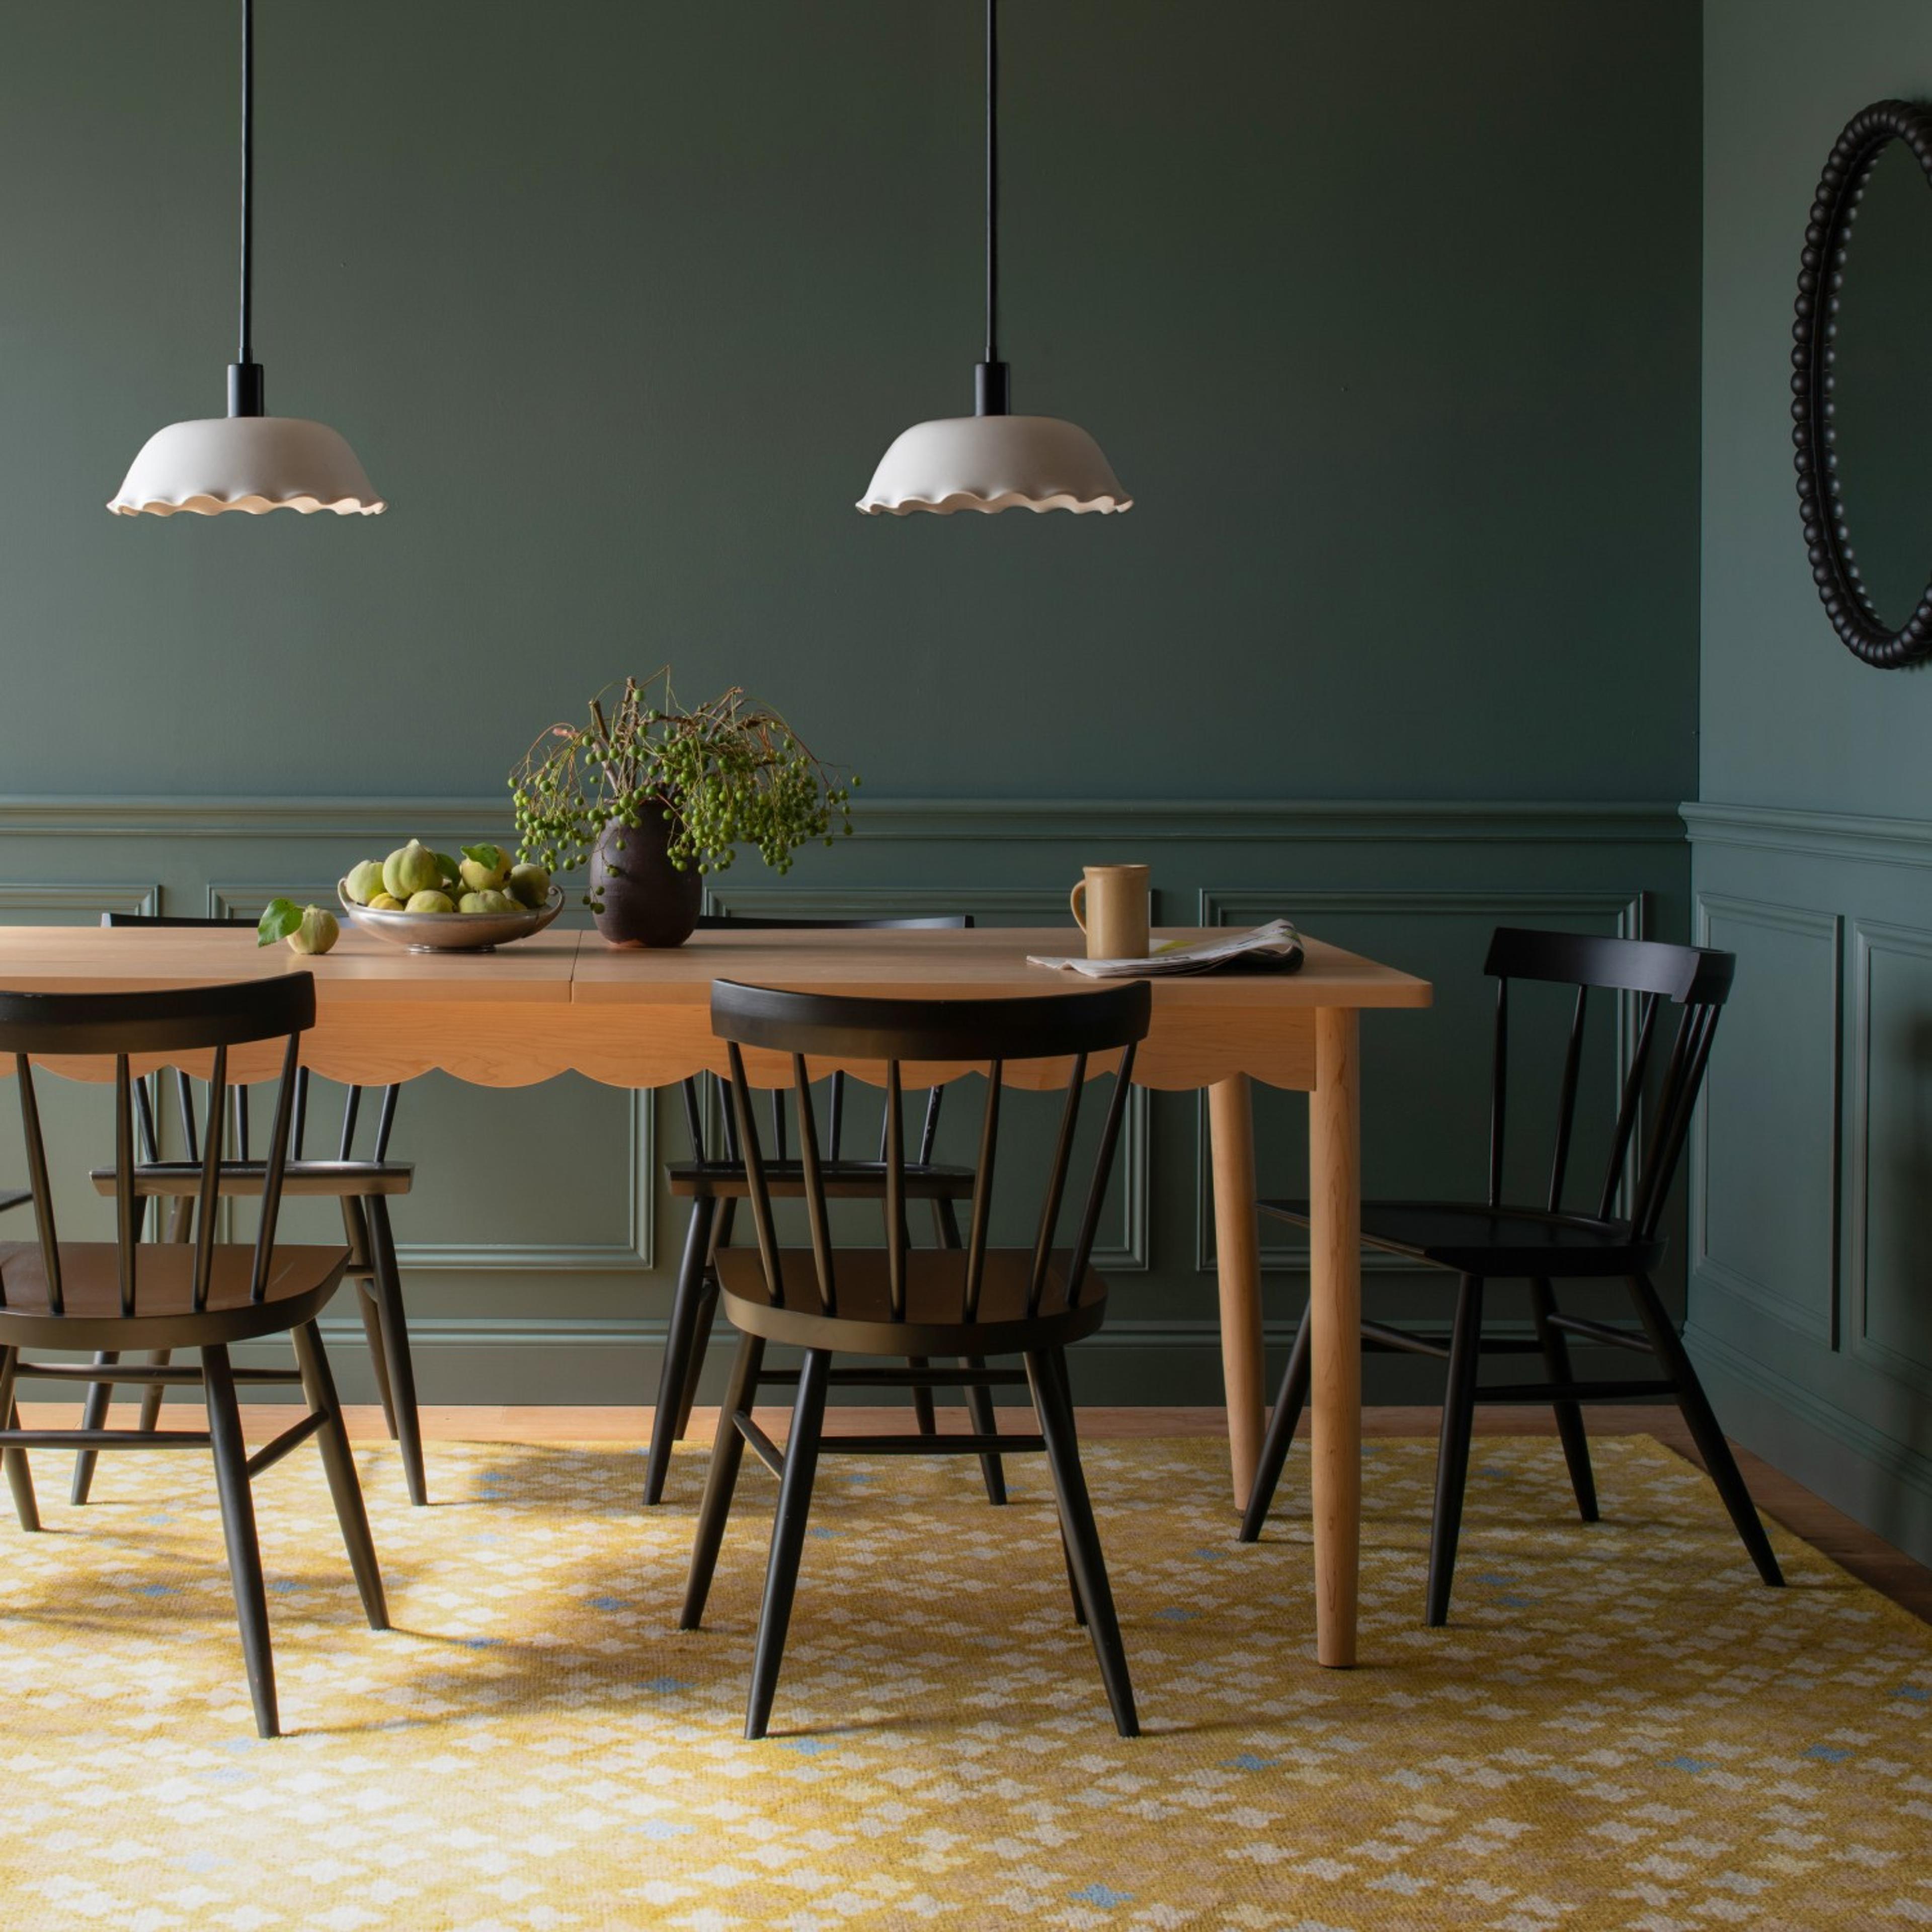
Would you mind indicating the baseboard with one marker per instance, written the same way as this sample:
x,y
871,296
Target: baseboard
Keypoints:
x,y
1885,1484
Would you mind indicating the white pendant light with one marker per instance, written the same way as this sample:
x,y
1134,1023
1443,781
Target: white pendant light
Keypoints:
x,y
993,460
246,460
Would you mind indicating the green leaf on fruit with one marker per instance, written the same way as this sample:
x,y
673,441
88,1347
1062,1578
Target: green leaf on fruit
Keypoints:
x,y
450,871
283,917
486,855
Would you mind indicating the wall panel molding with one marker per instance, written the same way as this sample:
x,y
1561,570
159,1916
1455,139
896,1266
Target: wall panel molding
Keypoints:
x,y
1709,1268
1111,821
1824,835
1871,940
518,1301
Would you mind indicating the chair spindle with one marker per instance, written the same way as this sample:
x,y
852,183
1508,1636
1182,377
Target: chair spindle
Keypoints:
x,y
1056,1185
814,1186
1629,1107
210,1180
1498,1093
272,1180
895,1213
37,1179
753,1157
127,1210
1566,1106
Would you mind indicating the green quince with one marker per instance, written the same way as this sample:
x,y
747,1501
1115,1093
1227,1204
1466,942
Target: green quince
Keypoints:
x,y
364,881
413,869
430,900
317,932
530,885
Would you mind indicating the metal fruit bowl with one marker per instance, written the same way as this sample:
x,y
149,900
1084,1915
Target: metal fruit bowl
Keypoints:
x,y
450,931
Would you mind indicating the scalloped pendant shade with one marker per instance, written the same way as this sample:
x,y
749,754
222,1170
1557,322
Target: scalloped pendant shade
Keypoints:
x,y
991,464
993,461
252,464
247,460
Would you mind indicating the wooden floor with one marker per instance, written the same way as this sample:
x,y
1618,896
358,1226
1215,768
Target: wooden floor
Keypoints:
x,y
1868,1558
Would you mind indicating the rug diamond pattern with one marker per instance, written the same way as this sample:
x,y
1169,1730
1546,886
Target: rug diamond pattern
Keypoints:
x,y
1620,1729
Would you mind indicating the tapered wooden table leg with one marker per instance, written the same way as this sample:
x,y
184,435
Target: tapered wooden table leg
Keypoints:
x,y
1335,1338
1237,1260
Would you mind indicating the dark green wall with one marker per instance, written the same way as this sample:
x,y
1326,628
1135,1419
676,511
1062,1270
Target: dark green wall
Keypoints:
x,y
1386,311
1383,310
1811,1290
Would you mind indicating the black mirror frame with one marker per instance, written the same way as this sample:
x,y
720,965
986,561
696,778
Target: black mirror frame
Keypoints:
x,y
1827,237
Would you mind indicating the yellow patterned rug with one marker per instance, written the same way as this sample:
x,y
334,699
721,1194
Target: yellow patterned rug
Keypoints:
x,y
1621,1730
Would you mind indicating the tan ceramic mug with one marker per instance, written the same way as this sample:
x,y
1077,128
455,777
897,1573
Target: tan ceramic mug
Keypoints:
x,y
1110,906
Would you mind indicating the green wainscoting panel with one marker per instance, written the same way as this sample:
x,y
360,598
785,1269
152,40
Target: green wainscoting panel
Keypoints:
x,y
1889,1170
1766,1226
1812,1260
539,1244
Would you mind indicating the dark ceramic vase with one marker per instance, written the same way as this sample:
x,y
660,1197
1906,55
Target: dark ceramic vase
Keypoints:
x,y
647,901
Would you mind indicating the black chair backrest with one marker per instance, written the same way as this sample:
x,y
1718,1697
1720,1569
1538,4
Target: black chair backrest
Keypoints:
x,y
1694,979
352,1102
1058,1026
834,1130
177,1020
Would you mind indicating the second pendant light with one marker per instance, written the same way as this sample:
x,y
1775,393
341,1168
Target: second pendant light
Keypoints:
x,y
246,460
993,460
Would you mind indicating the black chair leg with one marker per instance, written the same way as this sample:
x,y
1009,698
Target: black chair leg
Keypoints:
x,y
1569,1416
727,1453
979,1407
151,1396
801,1465
700,1344
338,1465
1047,1373
1452,1459
1290,1400
400,1365
19,1476
1702,1421
372,1333
362,1267
238,1524
675,1368
922,1408
93,1415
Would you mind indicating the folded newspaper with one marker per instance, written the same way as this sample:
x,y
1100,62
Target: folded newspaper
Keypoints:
x,y
1275,947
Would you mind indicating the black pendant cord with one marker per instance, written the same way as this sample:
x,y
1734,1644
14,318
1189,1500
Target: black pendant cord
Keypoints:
x,y
245,373
991,386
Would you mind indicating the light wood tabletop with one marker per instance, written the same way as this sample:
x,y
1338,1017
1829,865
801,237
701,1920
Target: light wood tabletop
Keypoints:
x,y
565,1001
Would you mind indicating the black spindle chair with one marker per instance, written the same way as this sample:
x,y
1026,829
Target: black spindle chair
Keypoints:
x,y
1489,1241
362,1186
906,1303
204,1295
714,1181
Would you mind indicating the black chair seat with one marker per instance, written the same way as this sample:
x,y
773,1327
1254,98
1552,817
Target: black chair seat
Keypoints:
x,y
844,1180
177,1180
300,1284
1499,1244
932,1325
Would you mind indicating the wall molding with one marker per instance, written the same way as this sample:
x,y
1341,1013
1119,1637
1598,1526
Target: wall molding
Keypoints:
x,y
1706,1269
1871,1446
1824,835
1110,822
1871,937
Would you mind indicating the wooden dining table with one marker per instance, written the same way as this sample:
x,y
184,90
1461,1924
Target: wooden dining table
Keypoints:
x,y
565,1001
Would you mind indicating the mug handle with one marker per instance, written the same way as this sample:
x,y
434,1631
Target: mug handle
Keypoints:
x,y
1076,902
